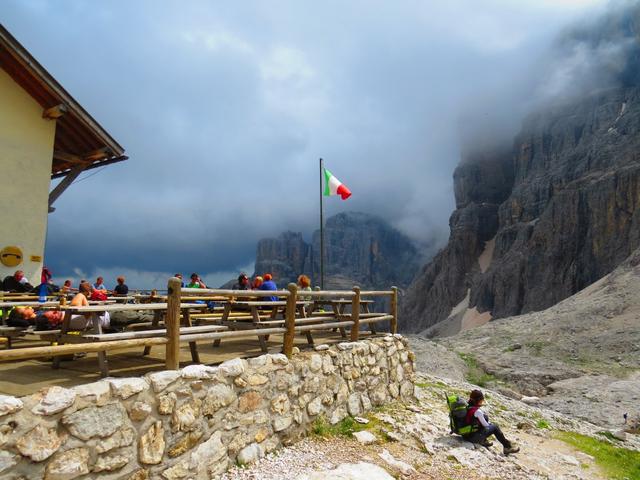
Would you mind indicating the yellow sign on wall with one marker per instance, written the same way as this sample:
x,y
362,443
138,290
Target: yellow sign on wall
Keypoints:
x,y
11,256
35,258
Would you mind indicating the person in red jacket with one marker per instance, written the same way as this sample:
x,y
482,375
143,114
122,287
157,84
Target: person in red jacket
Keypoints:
x,y
476,416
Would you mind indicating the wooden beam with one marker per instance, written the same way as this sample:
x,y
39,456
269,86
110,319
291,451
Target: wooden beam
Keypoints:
x,y
172,322
290,320
355,314
65,183
394,310
57,350
68,157
97,154
55,112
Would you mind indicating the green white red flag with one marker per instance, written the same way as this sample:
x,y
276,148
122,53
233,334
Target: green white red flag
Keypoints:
x,y
333,186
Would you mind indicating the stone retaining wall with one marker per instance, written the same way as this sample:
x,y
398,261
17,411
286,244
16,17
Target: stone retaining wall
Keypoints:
x,y
195,422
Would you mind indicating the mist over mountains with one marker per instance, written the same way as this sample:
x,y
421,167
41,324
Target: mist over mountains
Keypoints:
x,y
554,210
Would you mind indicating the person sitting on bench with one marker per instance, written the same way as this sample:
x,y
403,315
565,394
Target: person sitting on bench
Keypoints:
x,y
81,299
17,283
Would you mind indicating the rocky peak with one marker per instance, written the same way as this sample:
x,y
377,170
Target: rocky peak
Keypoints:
x,y
360,249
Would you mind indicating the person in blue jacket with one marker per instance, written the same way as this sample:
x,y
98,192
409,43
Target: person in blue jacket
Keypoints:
x,y
269,284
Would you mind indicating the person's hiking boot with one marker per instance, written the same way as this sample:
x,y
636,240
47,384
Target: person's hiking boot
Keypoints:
x,y
486,443
511,449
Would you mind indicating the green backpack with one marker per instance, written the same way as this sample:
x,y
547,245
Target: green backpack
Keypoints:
x,y
458,416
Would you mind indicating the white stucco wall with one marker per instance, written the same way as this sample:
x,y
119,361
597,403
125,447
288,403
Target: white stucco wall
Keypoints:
x,y
26,149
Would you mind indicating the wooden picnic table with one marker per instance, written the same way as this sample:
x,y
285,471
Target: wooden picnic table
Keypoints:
x,y
96,334
255,320
338,305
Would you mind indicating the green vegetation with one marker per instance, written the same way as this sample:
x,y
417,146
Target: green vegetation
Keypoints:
x,y
542,424
475,373
346,427
617,463
437,384
536,347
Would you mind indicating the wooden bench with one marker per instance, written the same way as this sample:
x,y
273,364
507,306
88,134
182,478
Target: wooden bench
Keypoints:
x,y
97,333
254,319
10,333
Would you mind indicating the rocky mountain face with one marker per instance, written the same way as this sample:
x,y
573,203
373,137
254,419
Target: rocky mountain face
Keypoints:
x,y
360,249
543,218
581,356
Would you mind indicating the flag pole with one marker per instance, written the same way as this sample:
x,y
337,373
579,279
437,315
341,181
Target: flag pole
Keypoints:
x,y
321,229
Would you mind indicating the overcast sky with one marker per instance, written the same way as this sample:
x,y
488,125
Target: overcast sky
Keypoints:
x,y
225,108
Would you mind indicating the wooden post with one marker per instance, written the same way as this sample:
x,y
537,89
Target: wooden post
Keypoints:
x,y
172,322
290,320
355,314
394,310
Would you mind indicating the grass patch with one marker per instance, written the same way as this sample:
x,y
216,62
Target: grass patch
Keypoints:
x,y
475,373
618,463
542,424
536,347
347,427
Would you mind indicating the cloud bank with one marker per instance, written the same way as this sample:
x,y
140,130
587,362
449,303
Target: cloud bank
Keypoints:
x,y
224,110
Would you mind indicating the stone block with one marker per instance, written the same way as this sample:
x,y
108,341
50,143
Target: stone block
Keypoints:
x,y
39,443
95,421
126,387
68,465
218,396
250,454
249,401
109,463
55,399
9,404
161,380
151,445
233,368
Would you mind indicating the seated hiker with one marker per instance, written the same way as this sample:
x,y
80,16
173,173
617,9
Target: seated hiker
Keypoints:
x,y
257,282
243,282
121,288
269,285
81,299
476,417
196,282
66,286
16,283
304,285
99,285
179,276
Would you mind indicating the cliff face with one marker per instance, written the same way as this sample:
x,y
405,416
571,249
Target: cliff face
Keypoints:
x,y
360,249
538,223
558,208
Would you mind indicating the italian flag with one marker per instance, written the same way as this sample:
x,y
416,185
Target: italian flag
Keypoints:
x,y
333,186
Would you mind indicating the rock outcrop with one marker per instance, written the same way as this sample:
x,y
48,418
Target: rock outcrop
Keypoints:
x,y
540,220
360,249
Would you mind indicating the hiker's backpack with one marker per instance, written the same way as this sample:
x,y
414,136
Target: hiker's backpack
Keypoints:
x,y
458,416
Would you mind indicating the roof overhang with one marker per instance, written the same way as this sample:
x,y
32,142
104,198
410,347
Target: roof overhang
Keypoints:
x,y
80,142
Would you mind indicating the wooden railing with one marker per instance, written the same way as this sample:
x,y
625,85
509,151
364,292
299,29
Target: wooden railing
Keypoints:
x,y
292,325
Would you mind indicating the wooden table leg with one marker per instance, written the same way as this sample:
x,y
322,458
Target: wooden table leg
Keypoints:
x,y
303,314
195,357
225,317
256,322
64,328
157,314
103,363
338,311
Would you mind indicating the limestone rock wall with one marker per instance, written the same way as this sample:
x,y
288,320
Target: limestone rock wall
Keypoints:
x,y
195,422
360,249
